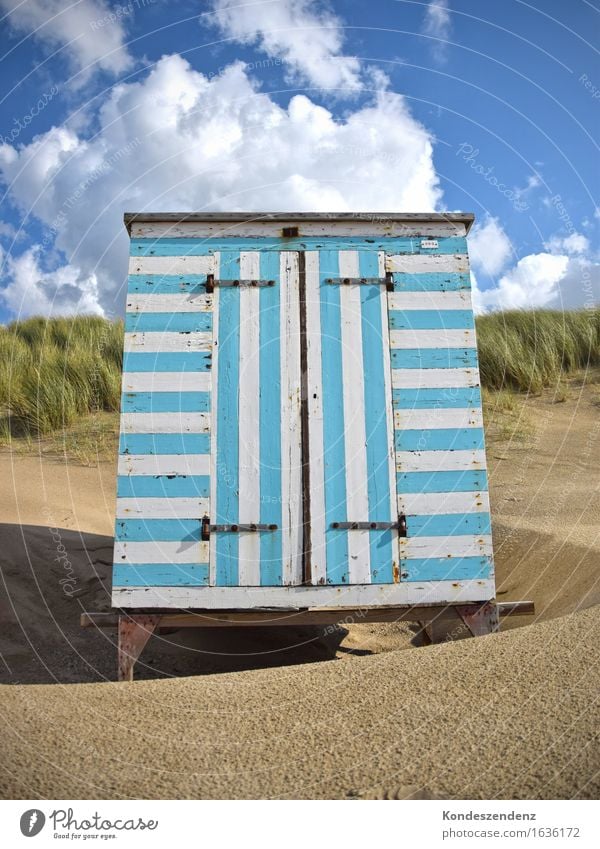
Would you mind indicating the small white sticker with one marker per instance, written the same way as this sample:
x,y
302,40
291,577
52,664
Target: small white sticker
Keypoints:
x,y
429,243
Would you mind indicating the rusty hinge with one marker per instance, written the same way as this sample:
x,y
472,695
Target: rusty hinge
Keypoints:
x,y
400,526
211,283
207,528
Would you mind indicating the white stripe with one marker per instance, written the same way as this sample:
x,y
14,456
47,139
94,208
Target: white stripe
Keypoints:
x,y
249,421
214,377
215,598
157,341
164,464
430,300
171,265
162,508
155,551
167,381
165,422
434,378
458,546
441,338
385,334
427,263
228,229
439,461
437,503
181,302
291,446
355,438
438,418
315,417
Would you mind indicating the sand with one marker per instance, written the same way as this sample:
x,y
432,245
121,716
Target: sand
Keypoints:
x,y
360,713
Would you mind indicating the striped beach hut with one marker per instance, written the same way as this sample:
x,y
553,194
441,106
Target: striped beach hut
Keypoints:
x,y
301,419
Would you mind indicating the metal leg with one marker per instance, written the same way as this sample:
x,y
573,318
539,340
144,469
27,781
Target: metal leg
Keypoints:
x,y
134,633
480,620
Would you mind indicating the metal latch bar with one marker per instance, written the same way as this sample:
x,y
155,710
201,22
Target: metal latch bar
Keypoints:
x,y
241,281
388,281
400,526
252,527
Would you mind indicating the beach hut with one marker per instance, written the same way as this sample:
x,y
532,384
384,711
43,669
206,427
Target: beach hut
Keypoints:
x,y
301,427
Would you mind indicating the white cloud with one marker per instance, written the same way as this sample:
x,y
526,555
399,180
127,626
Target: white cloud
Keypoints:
x,y
308,40
88,32
489,246
438,24
32,291
574,243
532,282
179,141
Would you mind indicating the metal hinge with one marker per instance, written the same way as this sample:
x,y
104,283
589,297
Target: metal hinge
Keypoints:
x,y
252,527
211,282
387,281
400,526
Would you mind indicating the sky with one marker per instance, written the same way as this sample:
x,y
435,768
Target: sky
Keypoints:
x,y
298,105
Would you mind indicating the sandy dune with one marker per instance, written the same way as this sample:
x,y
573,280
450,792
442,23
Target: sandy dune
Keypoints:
x,y
511,715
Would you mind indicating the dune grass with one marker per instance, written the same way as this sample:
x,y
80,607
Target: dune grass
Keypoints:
x,y
62,376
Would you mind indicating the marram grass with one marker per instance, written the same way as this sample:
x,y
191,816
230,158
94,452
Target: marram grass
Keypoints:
x,y
55,371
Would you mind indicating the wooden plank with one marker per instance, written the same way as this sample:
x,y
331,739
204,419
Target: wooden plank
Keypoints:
x,y
440,461
437,378
167,381
439,417
441,338
441,301
172,265
426,264
158,341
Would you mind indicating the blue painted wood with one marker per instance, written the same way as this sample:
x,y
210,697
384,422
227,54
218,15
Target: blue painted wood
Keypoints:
x,y
334,459
424,358
374,362
173,322
227,460
165,402
167,361
270,402
434,281
447,569
166,284
439,439
431,320
425,398
466,481
169,246
165,530
173,486
448,524
160,575
164,443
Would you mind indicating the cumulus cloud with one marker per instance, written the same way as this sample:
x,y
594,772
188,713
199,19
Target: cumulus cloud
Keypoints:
x,y
30,290
574,243
309,40
179,141
89,34
532,282
489,246
437,24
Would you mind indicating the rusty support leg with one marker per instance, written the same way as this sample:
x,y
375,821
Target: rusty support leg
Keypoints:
x,y
134,633
480,620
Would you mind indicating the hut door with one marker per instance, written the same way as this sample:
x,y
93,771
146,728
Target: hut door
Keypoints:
x,y
352,476
256,473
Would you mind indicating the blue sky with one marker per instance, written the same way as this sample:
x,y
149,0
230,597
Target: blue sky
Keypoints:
x,y
388,105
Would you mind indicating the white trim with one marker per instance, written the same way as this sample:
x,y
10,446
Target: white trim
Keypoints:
x,y
434,378
384,227
355,437
164,464
440,461
437,418
181,302
249,421
464,545
167,381
427,263
165,422
162,508
460,300
291,446
159,341
155,551
439,503
214,379
315,417
244,598
440,338
169,265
